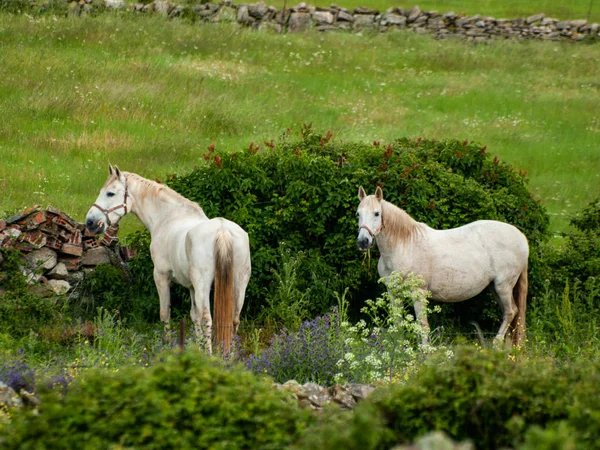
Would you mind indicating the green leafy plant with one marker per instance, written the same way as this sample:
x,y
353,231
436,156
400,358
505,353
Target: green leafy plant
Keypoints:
x,y
389,344
577,258
492,398
23,310
187,401
285,305
565,313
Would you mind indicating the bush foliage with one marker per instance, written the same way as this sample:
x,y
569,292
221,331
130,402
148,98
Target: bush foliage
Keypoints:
x,y
303,193
486,397
188,401
579,257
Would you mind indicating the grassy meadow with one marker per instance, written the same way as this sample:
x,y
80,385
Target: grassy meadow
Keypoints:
x,y
150,95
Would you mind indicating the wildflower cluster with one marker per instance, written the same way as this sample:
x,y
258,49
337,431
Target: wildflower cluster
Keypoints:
x,y
386,345
17,374
310,354
392,342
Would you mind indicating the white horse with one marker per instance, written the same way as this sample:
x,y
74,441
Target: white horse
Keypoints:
x,y
187,247
456,264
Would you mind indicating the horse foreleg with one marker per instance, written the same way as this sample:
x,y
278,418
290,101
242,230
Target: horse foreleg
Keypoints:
x,y
195,314
163,283
421,316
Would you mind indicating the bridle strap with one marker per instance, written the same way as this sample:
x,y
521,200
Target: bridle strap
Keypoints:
x,y
373,234
114,208
377,231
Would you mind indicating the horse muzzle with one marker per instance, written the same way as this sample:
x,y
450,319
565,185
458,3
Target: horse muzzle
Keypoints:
x,y
364,242
95,225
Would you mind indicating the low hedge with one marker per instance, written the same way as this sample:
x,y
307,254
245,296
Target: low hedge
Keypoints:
x,y
485,397
187,402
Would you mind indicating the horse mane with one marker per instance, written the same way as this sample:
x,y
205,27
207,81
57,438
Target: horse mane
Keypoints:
x,y
161,191
399,225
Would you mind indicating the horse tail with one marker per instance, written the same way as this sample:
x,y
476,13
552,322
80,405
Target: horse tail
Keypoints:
x,y
520,295
224,290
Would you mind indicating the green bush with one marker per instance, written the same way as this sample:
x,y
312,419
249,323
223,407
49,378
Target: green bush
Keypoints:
x,y
566,311
487,397
187,402
304,193
578,258
23,310
109,288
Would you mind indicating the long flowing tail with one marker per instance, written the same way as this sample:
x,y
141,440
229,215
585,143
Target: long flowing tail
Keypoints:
x,y
517,326
224,291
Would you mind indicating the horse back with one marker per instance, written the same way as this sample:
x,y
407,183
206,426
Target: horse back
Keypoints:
x,y
201,241
458,263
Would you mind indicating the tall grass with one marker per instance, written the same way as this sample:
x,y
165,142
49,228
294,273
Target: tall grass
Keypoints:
x,y
150,94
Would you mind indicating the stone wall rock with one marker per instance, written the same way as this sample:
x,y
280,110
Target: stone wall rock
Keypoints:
x,y
313,396
8,397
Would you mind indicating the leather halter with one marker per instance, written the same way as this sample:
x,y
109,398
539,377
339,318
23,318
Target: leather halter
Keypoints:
x,y
114,208
377,231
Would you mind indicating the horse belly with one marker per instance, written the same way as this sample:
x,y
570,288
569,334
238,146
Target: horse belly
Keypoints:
x,y
459,281
168,254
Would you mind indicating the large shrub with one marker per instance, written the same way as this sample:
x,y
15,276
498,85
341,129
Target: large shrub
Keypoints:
x,y
186,402
304,193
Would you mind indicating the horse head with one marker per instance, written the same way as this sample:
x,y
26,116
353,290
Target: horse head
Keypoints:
x,y
110,205
370,217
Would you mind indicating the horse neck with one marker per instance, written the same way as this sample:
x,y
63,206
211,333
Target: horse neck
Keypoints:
x,y
400,231
154,208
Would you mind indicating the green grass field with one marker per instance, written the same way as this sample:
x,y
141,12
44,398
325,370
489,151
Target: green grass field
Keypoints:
x,y
149,95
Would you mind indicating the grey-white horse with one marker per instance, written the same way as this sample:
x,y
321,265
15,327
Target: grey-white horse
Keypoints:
x,y
186,247
456,264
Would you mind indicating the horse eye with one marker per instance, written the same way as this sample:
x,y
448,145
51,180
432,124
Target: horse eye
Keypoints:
x,y
110,194
357,214
376,213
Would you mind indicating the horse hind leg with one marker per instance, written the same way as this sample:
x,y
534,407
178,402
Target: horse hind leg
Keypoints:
x,y
509,310
195,314
241,282
421,316
207,328
200,309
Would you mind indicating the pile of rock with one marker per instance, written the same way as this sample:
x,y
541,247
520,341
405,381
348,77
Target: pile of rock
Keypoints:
x,y
304,17
57,250
313,396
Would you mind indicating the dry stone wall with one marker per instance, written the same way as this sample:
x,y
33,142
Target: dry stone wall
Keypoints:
x,y
315,397
57,250
304,17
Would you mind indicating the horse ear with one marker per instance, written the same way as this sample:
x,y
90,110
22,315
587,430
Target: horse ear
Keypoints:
x,y
117,172
110,169
361,193
379,193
